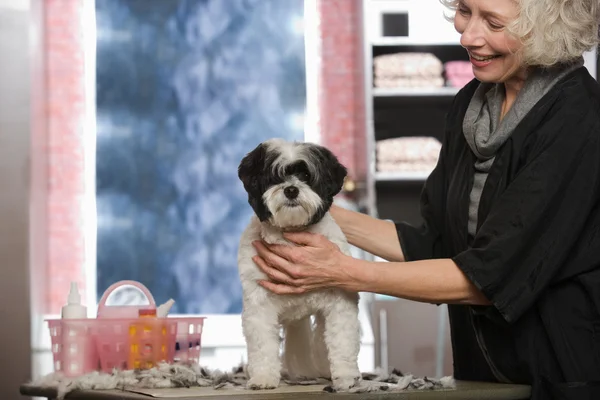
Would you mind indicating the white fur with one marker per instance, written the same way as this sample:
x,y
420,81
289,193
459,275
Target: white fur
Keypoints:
x,y
328,349
306,204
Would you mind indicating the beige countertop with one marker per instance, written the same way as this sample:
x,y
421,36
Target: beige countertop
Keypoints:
x,y
464,391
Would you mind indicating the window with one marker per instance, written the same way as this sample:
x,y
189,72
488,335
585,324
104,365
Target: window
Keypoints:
x,y
183,90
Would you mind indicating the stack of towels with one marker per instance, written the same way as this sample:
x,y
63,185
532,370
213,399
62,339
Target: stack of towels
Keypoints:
x,y
408,70
408,154
458,73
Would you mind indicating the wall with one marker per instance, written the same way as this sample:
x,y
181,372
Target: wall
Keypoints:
x,y
65,101
15,345
341,89
62,257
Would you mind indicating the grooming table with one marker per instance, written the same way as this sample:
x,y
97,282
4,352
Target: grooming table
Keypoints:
x,y
463,391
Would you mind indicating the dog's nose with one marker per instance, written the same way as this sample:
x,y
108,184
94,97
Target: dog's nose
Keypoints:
x,y
291,192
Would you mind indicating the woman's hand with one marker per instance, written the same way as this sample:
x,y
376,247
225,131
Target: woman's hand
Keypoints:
x,y
313,264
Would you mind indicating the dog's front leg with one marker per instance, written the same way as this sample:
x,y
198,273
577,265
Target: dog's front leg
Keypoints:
x,y
342,337
261,329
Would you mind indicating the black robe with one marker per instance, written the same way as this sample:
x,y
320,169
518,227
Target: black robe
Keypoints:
x,y
536,255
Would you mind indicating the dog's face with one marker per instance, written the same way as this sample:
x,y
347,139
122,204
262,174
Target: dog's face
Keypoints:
x,y
289,184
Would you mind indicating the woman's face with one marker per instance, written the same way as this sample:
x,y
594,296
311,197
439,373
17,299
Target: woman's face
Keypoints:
x,y
493,52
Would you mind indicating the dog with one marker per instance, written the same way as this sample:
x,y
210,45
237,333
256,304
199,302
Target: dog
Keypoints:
x,y
291,186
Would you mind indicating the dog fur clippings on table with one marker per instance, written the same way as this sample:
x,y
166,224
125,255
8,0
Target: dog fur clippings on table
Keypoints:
x,y
189,375
291,186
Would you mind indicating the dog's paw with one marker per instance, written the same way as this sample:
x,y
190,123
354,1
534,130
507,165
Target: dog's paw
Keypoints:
x,y
263,382
343,384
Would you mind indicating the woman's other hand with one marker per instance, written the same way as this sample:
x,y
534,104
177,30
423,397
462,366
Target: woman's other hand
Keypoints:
x,y
313,263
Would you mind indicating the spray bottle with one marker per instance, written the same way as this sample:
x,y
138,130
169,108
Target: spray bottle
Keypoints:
x,y
78,354
74,309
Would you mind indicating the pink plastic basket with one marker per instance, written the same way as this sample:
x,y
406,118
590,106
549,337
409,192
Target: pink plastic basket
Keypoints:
x,y
119,339
73,347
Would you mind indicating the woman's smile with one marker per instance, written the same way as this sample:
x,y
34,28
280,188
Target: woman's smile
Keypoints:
x,y
481,61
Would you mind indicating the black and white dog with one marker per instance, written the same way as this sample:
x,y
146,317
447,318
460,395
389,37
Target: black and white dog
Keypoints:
x,y
290,187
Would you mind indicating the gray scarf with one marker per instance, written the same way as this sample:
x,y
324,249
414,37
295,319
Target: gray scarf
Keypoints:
x,y
484,131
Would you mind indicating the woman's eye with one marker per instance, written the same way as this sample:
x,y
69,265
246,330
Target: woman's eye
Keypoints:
x,y
495,26
463,11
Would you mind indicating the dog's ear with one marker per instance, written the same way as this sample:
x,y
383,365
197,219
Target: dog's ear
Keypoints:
x,y
252,165
332,173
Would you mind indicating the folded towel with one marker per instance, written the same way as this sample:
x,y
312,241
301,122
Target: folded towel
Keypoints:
x,y
458,73
407,65
458,68
406,82
400,166
408,149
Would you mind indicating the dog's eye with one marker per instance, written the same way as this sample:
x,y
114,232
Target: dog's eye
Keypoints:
x,y
303,176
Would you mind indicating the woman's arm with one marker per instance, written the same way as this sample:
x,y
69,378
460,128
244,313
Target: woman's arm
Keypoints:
x,y
373,235
317,263
429,281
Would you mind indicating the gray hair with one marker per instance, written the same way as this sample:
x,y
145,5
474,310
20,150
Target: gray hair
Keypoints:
x,y
552,31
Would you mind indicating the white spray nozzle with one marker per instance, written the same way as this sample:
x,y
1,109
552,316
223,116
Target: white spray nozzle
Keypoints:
x,y
74,296
164,308
74,308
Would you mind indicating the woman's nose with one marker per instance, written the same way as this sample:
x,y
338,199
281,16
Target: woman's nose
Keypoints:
x,y
472,36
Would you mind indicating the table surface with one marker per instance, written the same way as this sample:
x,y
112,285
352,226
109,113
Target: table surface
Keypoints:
x,y
464,390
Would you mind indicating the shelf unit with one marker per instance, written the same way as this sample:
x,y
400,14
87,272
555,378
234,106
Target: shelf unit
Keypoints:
x,y
401,112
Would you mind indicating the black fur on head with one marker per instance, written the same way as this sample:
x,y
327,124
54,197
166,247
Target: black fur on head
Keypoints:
x,y
277,161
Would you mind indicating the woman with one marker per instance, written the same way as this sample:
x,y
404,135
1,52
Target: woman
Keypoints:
x,y
511,232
